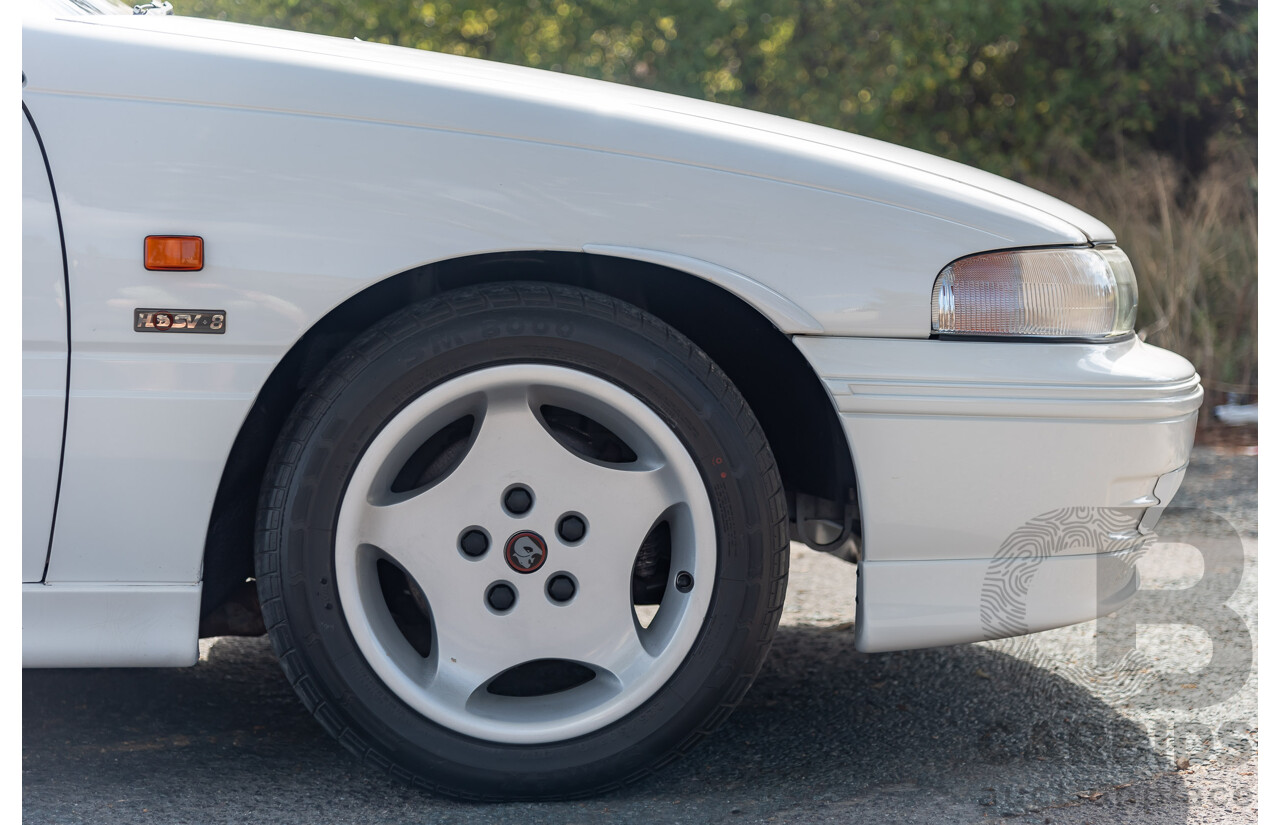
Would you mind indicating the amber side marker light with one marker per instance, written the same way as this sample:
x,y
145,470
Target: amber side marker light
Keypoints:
x,y
174,253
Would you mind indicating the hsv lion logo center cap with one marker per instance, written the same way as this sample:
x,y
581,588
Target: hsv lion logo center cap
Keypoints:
x,y
526,552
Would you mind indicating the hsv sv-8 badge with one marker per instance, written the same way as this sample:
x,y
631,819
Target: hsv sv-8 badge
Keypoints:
x,y
180,320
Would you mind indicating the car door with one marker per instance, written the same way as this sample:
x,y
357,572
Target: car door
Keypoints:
x,y
44,352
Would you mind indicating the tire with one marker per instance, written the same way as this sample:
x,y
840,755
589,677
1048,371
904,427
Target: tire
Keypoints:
x,y
470,518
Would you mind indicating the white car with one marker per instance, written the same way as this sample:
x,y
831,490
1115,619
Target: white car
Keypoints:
x,y
505,388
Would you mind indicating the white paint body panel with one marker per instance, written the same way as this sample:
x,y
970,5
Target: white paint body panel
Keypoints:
x,y
96,625
958,444
912,604
315,167
44,356
961,461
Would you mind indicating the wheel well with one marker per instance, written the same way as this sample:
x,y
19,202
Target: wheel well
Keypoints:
x,y
786,396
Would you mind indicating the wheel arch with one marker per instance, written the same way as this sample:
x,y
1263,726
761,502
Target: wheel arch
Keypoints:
x,y
789,400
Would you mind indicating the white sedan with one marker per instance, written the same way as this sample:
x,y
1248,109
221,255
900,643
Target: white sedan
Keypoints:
x,y
506,389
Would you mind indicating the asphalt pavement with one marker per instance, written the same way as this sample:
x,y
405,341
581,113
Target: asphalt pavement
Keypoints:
x,y
1036,729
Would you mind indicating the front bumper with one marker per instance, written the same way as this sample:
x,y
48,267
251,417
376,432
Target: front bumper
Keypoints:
x,y
1021,471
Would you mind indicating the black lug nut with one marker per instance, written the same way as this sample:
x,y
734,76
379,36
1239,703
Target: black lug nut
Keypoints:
x,y
501,596
518,500
571,528
474,543
561,588
684,582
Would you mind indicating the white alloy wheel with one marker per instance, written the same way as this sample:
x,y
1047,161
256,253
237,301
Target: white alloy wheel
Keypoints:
x,y
590,621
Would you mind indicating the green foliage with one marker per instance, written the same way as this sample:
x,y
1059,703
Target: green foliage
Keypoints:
x,y
1005,85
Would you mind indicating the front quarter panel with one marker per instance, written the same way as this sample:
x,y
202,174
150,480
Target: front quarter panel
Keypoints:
x,y
311,177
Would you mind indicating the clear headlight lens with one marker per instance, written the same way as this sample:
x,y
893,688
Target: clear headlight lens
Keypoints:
x,y
1065,293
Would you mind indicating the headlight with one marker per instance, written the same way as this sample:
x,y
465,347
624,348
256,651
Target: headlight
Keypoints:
x,y
1062,293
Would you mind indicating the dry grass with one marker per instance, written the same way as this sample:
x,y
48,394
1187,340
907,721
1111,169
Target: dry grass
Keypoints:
x,y
1194,245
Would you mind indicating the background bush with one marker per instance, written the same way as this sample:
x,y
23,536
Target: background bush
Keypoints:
x,y
1002,85
1144,113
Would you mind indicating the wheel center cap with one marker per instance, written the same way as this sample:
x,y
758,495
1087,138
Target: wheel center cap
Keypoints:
x,y
525,552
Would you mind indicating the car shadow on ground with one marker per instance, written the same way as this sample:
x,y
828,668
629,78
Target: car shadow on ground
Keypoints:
x,y
825,734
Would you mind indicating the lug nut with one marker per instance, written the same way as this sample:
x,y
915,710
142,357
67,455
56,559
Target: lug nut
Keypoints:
x,y
474,543
684,582
561,588
571,528
518,500
501,596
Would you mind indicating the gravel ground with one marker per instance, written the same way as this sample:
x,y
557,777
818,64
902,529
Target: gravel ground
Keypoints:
x,y
1028,730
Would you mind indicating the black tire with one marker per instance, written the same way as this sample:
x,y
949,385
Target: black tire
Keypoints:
x,y
369,384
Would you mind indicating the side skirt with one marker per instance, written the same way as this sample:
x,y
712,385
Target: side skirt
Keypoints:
x,y
110,625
